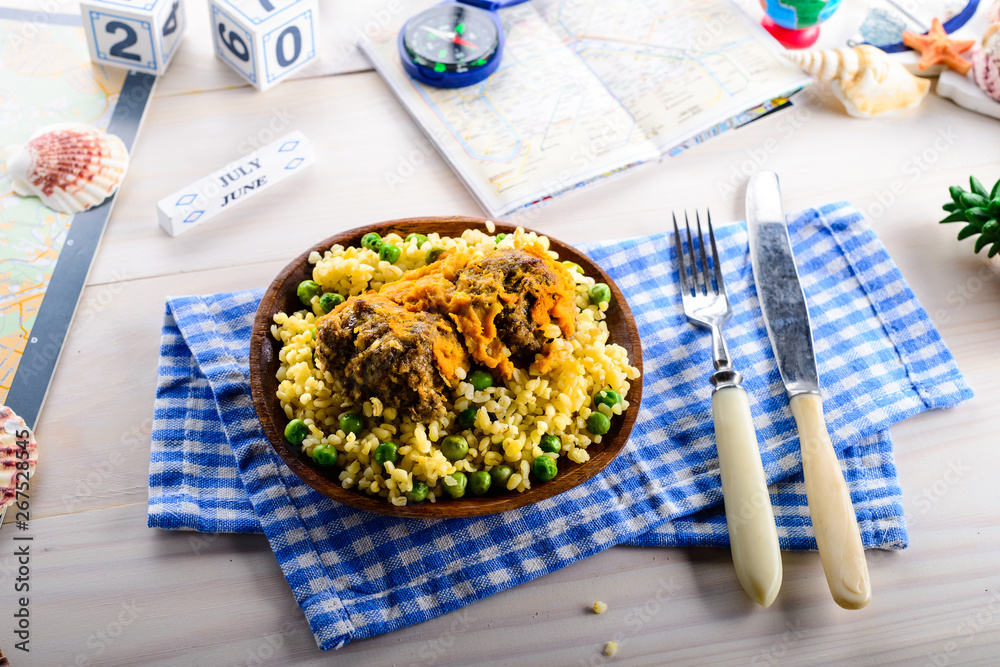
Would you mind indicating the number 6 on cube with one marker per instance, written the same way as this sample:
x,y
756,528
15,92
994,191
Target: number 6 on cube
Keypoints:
x,y
264,40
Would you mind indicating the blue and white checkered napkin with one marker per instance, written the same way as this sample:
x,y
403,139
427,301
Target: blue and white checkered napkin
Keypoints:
x,y
356,574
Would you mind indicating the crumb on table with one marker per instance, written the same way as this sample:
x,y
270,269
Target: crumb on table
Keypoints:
x,y
600,607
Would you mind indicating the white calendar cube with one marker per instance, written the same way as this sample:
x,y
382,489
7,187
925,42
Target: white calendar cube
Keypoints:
x,y
136,34
265,40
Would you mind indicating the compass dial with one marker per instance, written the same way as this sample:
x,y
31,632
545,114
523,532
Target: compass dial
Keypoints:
x,y
451,38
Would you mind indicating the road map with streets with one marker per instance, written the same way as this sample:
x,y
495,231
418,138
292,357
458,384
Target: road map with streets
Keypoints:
x,y
590,88
46,77
43,80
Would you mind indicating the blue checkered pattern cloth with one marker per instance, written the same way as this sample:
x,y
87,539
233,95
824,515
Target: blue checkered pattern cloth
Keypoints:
x,y
356,574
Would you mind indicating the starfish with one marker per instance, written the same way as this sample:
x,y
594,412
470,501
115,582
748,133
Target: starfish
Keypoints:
x,y
936,47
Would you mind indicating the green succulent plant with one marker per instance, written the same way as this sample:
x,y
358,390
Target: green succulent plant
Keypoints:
x,y
980,210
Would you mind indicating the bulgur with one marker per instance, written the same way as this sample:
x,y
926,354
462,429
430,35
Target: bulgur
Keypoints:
x,y
510,417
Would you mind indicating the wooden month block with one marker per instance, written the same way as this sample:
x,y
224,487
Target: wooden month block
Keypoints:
x,y
136,34
264,40
234,183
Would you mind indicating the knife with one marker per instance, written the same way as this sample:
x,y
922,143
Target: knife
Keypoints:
x,y
787,319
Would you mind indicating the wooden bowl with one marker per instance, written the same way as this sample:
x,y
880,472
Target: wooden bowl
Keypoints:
x,y
281,297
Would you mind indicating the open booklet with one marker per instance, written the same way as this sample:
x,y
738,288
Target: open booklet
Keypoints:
x,y
590,88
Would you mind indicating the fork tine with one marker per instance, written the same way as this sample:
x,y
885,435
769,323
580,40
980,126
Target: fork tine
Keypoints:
x,y
682,270
706,275
696,277
715,255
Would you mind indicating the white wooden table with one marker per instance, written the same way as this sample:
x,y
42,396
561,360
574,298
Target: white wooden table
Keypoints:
x,y
106,590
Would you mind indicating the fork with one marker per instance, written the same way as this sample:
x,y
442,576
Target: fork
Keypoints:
x,y
753,536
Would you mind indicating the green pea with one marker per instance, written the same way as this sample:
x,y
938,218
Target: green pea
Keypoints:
x,y
324,456
551,444
480,380
479,483
545,468
386,453
454,447
500,474
608,397
389,253
419,238
306,290
433,254
457,490
372,241
352,423
598,423
296,431
501,237
467,418
418,493
599,293
573,266
329,301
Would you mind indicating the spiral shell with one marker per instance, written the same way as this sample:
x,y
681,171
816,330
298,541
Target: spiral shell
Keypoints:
x,y
70,167
865,79
986,64
18,453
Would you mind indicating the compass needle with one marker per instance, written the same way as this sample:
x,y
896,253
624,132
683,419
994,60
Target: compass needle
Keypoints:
x,y
439,34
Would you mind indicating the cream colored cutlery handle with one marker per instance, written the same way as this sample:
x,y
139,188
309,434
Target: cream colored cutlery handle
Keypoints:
x,y
833,517
752,533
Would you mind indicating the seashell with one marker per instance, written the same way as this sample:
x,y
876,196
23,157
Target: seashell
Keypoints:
x,y
865,79
18,452
70,166
986,64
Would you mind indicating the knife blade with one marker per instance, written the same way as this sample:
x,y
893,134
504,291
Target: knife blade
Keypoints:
x,y
786,317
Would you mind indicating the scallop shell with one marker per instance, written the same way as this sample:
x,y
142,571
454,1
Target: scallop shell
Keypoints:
x,y
865,79
986,64
18,453
70,167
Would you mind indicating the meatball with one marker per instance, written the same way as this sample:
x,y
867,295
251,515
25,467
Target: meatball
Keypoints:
x,y
526,289
501,302
379,349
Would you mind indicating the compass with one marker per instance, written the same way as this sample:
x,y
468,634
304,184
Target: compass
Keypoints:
x,y
454,44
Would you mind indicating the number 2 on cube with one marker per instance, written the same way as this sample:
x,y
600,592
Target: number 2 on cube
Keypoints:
x,y
131,38
135,35
118,48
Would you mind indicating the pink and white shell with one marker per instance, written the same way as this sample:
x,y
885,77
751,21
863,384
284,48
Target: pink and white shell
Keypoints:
x,y
18,455
71,167
986,64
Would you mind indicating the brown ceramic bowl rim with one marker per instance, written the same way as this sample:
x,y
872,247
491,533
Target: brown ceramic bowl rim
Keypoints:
x,y
263,384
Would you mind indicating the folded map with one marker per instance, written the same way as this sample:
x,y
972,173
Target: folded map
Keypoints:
x,y
590,88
